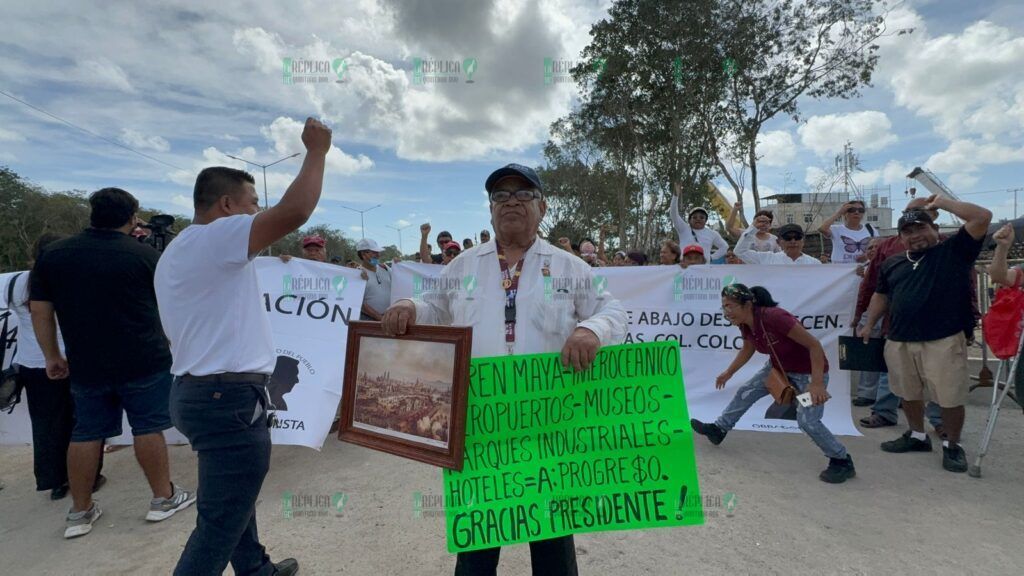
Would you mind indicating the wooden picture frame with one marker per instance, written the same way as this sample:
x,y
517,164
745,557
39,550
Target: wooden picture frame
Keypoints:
x,y
397,414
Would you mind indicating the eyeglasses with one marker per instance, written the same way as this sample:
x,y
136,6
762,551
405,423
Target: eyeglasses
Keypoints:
x,y
791,237
525,195
451,252
855,211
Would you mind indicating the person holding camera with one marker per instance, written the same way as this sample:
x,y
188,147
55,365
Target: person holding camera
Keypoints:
x,y
796,359
99,285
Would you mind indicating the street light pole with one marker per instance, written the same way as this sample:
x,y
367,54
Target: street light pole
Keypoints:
x,y
362,225
266,199
399,230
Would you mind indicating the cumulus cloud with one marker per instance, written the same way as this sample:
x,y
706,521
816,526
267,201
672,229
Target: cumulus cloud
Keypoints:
x,y
137,139
286,136
103,73
869,131
10,136
962,82
776,148
970,156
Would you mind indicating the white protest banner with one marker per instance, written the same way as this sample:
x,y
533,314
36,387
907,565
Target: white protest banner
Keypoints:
x,y
310,305
17,420
407,279
669,303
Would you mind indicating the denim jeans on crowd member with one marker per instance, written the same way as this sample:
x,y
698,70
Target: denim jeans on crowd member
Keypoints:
x,y
553,557
887,404
226,423
809,419
867,383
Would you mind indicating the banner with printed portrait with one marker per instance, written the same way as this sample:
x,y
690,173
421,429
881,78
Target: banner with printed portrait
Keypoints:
x,y
310,305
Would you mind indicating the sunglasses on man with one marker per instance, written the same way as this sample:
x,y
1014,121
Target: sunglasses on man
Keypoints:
x,y
792,236
854,210
525,195
453,253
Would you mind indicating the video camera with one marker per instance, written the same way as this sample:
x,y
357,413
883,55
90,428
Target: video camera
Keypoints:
x,y
160,228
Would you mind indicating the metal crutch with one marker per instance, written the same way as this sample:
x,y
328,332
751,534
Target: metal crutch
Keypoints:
x,y
999,391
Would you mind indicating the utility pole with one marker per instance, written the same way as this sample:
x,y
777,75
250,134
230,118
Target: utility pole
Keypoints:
x,y
399,230
362,225
266,199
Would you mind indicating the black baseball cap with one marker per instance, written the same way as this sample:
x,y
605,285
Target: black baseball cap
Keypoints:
x,y
914,217
789,229
513,170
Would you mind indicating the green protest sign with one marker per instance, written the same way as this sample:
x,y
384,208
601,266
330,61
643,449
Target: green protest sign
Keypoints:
x,y
551,452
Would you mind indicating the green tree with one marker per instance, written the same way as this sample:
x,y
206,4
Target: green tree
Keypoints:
x,y
776,52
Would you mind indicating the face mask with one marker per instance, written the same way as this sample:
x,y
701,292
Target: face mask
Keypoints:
x,y
374,261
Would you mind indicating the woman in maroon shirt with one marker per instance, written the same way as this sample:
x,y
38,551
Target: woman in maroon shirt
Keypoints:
x,y
792,350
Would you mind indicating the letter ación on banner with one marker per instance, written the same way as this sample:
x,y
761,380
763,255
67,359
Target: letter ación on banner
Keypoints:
x,y
551,452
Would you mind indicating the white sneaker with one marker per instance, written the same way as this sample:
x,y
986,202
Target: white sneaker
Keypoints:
x,y
80,523
164,508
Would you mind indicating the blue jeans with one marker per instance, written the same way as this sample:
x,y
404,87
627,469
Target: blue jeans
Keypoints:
x,y
226,424
809,419
887,404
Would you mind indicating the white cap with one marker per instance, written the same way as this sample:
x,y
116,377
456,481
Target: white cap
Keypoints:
x,y
367,244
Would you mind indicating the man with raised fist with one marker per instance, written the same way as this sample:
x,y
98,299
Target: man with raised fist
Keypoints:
x,y
223,353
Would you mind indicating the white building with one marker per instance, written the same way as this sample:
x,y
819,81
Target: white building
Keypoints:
x,y
811,210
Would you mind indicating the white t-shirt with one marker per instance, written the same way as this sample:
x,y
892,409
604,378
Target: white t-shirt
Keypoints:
x,y
29,354
771,244
847,244
210,303
378,289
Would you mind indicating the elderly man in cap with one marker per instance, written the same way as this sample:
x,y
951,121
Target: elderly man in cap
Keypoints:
x,y
511,313
694,230
314,248
927,292
378,280
790,239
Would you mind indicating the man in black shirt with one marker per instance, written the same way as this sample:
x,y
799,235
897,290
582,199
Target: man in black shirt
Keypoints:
x,y
99,284
927,291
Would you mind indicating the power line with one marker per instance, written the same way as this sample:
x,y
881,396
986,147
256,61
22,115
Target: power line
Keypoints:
x,y
90,132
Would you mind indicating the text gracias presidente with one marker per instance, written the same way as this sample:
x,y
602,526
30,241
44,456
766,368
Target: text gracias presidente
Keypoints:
x,y
538,375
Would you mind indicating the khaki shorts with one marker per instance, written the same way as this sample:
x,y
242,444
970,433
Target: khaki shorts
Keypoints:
x,y
938,365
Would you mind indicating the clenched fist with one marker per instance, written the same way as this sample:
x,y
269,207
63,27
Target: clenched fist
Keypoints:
x,y
316,137
425,229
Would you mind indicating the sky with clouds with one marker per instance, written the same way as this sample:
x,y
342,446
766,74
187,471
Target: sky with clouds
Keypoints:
x,y
189,86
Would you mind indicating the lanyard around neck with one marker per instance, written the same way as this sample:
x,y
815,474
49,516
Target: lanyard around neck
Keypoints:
x,y
510,283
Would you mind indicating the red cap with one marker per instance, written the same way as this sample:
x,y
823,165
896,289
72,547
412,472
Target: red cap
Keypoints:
x,y
693,248
455,245
314,240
